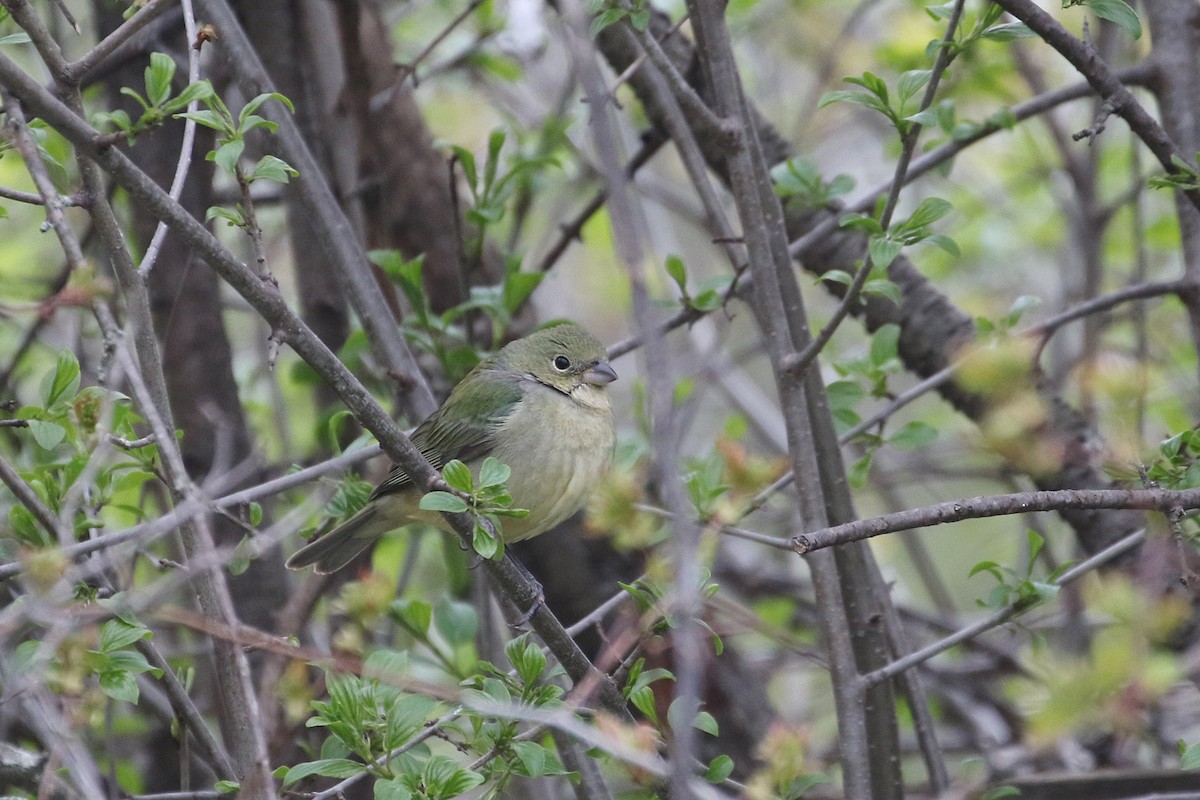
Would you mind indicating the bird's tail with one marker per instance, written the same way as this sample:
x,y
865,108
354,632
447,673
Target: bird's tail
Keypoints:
x,y
338,548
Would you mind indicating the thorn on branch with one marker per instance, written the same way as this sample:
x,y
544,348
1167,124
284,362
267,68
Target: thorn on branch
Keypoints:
x,y
273,342
1107,109
132,444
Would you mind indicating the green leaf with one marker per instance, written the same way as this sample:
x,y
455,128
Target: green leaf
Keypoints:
x,y
859,472
158,78
991,567
929,211
416,614
15,38
858,98
706,722
1189,755
885,344
65,380
883,288
227,787
1017,310
48,435
944,242
912,82
883,250
844,394
274,169
1007,32
200,90
120,685
678,273
608,17
493,473
1119,13
326,768
913,436
836,276
517,288
116,634
458,476
456,621
861,222
444,502
485,542
532,757
1036,543
393,789
226,156
254,511
207,118
246,120
719,769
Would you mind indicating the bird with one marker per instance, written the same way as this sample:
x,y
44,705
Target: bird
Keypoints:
x,y
540,405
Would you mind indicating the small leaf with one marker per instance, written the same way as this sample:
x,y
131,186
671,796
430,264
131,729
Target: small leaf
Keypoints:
x,y
836,276
66,378
706,722
229,787
416,614
458,476
443,502
274,169
158,78
885,344
1189,755
1119,13
486,543
326,767
913,436
226,156
456,621
860,471
493,472
720,769
883,250
844,394
883,288
120,685
929,211
912,82
1007,32
48,435
532,757
678,273
116,634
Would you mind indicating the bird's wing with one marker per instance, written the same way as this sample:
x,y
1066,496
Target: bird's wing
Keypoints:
x,y
480,403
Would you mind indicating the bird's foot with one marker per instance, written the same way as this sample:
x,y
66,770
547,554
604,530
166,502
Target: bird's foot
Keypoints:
x,y
521,622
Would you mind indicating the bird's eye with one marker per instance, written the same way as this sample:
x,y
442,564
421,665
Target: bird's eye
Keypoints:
x,y
562,363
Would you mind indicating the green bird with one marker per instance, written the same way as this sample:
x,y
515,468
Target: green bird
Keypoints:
x,y
539,405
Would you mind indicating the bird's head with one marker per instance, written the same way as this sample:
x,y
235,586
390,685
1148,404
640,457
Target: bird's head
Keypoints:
x,y
565,357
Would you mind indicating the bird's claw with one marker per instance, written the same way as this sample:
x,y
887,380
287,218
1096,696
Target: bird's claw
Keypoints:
x,y
522,621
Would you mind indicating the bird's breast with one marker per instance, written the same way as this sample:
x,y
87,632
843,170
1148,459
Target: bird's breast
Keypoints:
x,y
558,450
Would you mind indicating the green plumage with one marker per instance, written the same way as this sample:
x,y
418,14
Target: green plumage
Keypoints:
x,y
539,405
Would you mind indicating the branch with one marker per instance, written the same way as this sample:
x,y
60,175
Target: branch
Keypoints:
x,y
1106,83
997,506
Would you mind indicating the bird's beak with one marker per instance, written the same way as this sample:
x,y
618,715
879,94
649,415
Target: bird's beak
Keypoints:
x,y
600,374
